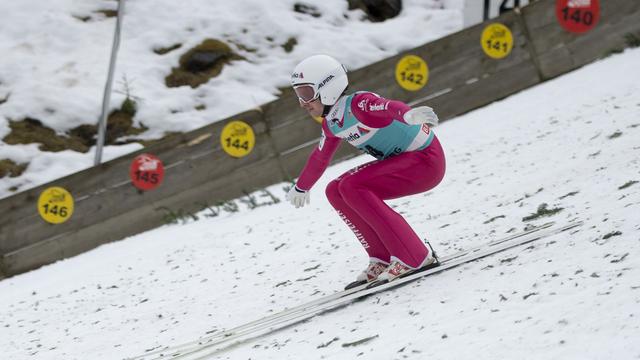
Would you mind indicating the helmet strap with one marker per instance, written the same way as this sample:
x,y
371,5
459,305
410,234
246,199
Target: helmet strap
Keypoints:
x,y
325,110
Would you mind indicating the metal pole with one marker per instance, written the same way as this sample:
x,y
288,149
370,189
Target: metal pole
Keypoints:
x,y
102,125
485,16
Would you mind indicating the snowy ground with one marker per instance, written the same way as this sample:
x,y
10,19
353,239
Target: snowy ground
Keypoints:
x,y
54,65
571,143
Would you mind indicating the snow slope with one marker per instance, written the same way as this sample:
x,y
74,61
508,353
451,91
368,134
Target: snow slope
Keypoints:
x,y
571,143
54,65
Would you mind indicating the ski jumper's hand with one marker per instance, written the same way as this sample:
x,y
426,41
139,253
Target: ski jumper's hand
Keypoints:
x,y
421,115
298,197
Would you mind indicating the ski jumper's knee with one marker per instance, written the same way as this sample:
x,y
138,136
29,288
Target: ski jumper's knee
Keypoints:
x,y
350,190
333,194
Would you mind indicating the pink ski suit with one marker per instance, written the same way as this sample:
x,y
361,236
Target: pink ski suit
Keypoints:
x,y
409,161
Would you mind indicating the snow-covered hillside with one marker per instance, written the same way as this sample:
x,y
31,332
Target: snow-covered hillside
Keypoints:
x,y
571,143
55,57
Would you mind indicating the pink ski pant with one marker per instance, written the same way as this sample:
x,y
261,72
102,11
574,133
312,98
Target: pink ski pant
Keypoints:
x,y
358,197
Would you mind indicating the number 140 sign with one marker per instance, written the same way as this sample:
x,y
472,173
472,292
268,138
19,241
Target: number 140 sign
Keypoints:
x,y
578,16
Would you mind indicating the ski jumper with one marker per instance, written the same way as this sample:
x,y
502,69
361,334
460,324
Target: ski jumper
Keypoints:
x,y
409,161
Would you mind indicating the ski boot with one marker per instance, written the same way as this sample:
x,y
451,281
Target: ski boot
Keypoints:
x,y
375,268
398,269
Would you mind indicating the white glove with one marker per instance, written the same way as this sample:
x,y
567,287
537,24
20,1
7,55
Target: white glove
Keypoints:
x,y
298,197
421,115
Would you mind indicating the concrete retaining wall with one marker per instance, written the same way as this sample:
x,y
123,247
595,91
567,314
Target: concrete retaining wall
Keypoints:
x,y
199,173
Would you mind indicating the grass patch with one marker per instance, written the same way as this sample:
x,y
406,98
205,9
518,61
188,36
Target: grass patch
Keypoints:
x,y
543,211
495,218
377,11
162,51
526,196
611,234
244,47
616,134
83,18
328,343
290,44
29,131
567,195
9,167
81,138
200,64
359,342
108,13
632,40
307,9
627,184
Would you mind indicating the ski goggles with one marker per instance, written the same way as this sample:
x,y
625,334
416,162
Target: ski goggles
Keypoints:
x,y
306,93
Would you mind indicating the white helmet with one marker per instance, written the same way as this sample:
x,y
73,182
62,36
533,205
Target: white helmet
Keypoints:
x,y
319,76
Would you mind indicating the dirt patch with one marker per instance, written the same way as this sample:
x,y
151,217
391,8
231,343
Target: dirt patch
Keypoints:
x,y
107,13
81,138
119,124
200,64
162,51
83,18
627,184
543,211
8,167
632,40
377,10
97,15
243,47
616,134
29,131
290,44
307,9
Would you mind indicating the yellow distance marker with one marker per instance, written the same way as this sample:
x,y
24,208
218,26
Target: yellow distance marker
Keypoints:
x,y
237,138
55,205
412,73
496,41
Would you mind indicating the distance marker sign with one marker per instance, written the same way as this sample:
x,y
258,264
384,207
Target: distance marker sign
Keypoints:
x,y
55,205
237,138
146,172
412,73
496,40
578,16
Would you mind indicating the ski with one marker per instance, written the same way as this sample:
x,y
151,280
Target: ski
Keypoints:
x,y
480,252
341,298
177,348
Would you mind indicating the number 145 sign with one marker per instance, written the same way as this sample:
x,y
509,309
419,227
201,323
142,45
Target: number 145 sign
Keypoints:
x,y
146,172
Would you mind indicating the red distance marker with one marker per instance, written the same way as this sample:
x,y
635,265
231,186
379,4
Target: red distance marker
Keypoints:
x,y
578,16
146,172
